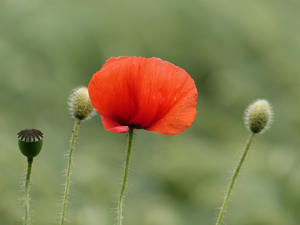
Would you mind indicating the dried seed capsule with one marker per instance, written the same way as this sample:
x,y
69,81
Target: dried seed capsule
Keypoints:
x,y
30,142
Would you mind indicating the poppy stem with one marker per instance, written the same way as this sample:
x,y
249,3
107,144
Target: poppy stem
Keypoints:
x,y
74,137
27,184
125,177
234,178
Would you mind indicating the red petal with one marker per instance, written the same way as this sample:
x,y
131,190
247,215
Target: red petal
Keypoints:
x,y
112,126
145,93
179,118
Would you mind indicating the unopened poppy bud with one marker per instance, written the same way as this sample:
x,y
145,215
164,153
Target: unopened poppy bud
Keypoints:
x,y
258,116
30,142
80,104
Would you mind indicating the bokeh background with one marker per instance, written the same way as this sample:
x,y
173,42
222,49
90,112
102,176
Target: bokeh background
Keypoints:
x,y
237,51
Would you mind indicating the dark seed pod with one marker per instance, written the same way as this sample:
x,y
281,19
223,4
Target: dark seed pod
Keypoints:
x,y
30,142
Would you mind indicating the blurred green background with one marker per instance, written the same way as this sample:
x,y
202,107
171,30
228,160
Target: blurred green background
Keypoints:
x,y
237,51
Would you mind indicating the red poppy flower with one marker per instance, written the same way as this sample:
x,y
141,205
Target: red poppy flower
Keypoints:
x,y
146,93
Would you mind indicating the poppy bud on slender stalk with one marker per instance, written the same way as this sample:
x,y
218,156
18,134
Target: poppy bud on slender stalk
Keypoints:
x,y
80,105
81,109
258,117
30,143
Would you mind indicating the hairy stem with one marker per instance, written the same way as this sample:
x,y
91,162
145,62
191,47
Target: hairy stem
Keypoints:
x,y
234,178
27,184
74,137
125,177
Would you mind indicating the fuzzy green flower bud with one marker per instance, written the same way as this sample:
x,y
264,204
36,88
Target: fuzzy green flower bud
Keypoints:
x,y
80,105
258,116
30,142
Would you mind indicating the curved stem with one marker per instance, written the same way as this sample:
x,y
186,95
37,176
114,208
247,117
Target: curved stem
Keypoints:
x,y
27,184
124,182
234,178
74,137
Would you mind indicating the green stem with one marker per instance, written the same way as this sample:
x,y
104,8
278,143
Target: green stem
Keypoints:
x,y
74,137
27,184
234,178
121,200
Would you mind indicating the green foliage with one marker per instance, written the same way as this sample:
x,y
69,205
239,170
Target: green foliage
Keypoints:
x,y
237,51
